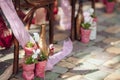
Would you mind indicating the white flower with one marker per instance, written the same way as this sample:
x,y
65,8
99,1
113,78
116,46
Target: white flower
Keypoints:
x,y
90,11
36,52
86,14
36,37
88,20
34,56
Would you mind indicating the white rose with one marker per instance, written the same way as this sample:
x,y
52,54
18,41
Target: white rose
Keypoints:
x,y
34,56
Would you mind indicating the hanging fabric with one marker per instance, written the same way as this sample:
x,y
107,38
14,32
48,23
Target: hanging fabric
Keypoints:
x,y
65,15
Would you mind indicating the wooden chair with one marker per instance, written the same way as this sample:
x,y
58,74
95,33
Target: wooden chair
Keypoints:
x,y
73,2
35,4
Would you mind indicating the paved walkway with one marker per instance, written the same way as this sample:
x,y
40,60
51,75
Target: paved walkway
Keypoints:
x,y
97,60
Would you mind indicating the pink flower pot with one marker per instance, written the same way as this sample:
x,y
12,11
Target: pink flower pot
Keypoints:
x,y
40,69
85,34
28,71
110,7
29,51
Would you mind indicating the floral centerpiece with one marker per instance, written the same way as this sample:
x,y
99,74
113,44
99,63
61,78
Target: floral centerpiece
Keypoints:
x,y
86,26
41,64
36,55
29,66
29,47
109,5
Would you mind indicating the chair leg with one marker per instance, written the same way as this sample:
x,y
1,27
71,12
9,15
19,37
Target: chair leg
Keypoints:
x,y
72,36
29,21
93,5
51,29
16,56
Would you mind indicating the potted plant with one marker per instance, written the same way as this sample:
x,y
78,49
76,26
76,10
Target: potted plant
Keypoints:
x,y
29,47
41,65
86,25
110,6
85,32
29,66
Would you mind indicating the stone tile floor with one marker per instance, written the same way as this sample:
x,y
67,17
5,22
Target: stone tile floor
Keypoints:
x,y
97,60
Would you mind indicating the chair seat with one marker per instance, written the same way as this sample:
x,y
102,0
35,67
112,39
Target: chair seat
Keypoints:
x,y
40,2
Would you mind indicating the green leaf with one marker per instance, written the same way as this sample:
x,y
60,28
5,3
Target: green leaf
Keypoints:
x,y
110,0
86,25
30,60
29,44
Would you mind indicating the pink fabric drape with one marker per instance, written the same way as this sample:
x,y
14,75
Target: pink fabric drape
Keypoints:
x,y
67,49
15,23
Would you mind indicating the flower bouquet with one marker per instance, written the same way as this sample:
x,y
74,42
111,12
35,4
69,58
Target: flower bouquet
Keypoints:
x,y
29,47
110,6
28,67
86,26
40,65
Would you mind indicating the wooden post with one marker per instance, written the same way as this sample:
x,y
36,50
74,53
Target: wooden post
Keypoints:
x,y
16,56
78,20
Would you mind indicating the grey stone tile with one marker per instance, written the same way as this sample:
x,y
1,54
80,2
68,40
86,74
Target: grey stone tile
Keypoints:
x,y
102,55
105,34
71,76
99,38
3,66
84,67
106,23
60,70
90,49
117,35
94,61
101,44
113,50
100,28
80,55
112,63
117,71
51,76
98,75
66,64
106,69
59,79
113,76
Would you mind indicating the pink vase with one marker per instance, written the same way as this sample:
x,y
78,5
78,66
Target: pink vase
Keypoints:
x,y
40,69
29,51
110,7
28,71
85,34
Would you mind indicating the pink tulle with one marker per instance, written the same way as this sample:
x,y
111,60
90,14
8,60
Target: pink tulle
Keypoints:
x,y
67,49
